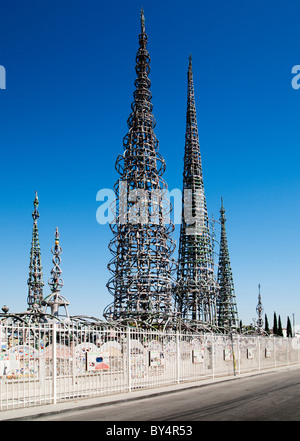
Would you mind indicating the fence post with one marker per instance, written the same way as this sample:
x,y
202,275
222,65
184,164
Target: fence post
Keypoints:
x,y
213,355
178,356
54,379
233,355
129,359
258,344
239,352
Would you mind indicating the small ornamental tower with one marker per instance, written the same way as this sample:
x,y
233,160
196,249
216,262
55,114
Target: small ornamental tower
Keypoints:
x,y
259,311
197,286
226,304
55,300
141,267
35,280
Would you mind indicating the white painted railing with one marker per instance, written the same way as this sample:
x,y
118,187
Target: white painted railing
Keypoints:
x,y
51,363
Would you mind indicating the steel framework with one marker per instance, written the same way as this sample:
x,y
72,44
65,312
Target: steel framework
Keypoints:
x,y
259,310
37,313
35,280
142,268
197,286
226,302
55,301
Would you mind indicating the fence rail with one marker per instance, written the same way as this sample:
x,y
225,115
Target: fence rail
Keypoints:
x,y
50,363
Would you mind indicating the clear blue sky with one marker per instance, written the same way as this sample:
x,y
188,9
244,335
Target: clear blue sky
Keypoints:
x,y
70,78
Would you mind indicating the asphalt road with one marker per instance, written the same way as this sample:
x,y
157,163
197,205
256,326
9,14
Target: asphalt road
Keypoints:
x,y
273,396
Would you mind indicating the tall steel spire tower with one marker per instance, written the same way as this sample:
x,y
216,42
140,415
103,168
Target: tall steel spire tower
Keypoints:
x,y
226,303
35,280
141,266
197,287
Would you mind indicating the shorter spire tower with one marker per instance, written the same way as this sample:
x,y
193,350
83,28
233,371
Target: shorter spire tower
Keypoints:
x,y
226,303
56,283
259,310
35,280
55,300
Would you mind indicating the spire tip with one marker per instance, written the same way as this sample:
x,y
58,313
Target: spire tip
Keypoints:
x,y
222,209
190,62
142,20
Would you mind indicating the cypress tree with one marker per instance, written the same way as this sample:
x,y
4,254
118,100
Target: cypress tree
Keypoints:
x,y
279,332
267,329
275,329
289,332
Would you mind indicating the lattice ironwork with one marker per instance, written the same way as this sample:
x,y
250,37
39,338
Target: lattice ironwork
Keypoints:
x,y
197,286
35,280
55,301
259,311
55,282
226,303
141,267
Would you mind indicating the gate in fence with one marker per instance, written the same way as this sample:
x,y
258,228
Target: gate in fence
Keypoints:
x,y
51,363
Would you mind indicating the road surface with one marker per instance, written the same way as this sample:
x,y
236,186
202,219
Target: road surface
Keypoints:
x,y
273,396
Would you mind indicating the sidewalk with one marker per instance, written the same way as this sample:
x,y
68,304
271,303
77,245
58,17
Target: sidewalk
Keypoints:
x,y
84,403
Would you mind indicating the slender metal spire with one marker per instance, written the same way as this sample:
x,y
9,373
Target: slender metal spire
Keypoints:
x,y
141,267
197,287
226,302
190,65
259,310
143,30
55,300
35,280
56,283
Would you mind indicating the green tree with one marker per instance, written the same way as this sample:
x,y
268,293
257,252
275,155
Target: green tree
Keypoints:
x,y
267,329
275,329
289,332
279,332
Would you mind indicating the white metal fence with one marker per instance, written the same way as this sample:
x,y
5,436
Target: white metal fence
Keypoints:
x,y
50,363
